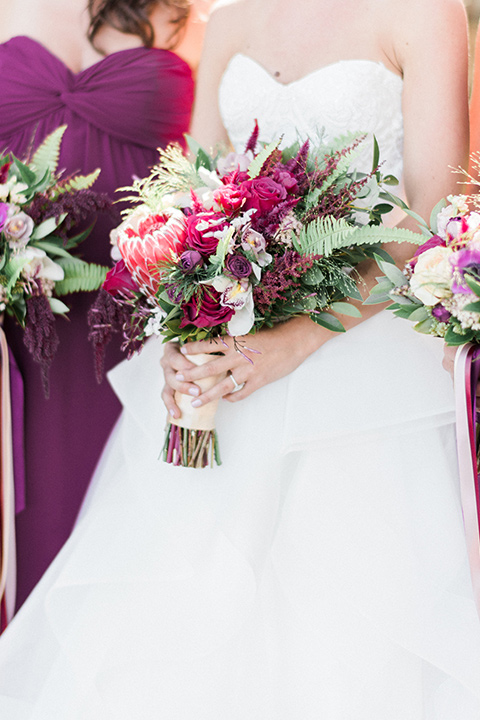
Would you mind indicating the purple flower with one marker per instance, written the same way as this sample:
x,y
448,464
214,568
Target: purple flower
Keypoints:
x,y
238,266
441,314
3,215
284,177
432,242
462,261
119,279
190,260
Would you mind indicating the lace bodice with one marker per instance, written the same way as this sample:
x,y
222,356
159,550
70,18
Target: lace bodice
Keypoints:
x,y
348,96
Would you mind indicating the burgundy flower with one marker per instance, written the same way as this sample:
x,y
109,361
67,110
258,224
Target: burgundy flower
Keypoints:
x,y
118,279
263,194
200,229
4,172
432,242
441,313
286,179
190,260
204,310
238,266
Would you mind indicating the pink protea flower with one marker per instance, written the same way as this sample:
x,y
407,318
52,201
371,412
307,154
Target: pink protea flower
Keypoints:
x,y
150,241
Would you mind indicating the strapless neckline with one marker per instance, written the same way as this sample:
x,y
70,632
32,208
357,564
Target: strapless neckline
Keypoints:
x,y
111,57
324,69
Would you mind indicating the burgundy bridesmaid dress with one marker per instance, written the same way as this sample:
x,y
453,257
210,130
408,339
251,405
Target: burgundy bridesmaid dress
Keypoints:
x,y
118,112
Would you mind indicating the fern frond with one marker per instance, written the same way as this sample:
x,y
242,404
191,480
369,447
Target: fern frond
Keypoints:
x,y
48,153
257,164
80,276
80,182
325,235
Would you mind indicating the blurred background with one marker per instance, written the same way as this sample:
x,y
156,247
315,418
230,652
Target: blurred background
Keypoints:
x,y
473,8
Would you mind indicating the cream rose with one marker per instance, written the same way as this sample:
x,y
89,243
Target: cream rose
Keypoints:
x,y
432,278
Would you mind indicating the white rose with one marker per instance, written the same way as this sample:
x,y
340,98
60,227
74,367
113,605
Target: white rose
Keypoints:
x,y
432,277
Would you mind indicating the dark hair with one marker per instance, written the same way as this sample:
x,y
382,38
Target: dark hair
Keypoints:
x,y
133,17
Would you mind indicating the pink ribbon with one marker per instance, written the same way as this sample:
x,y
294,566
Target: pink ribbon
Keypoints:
x,y
466,374
8,570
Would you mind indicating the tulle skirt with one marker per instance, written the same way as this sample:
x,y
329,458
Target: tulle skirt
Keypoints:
x,y
320,573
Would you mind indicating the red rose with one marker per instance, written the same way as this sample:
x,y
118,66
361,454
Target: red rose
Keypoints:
x,y
204,310
118,279
263,194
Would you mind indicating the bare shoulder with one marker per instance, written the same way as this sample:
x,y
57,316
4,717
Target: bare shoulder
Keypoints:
x,y
228,22
421,27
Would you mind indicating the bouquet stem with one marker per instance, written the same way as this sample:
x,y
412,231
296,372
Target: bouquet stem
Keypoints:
x,y
191,440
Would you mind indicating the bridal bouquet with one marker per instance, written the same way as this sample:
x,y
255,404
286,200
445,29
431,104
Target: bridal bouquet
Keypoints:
x,y
230,244
38,209
439,290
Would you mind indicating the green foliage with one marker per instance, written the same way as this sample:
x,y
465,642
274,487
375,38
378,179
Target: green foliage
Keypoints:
x,y
79,182
45,159
257,164
80,276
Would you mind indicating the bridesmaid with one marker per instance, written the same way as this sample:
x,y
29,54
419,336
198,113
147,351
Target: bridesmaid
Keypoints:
x,y
107,71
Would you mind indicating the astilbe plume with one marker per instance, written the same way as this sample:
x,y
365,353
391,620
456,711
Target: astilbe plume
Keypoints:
x,y
269,223
78,205
298,167
284,274
40,336
335,201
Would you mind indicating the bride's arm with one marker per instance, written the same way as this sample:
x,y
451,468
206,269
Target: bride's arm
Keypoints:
x,y
430,49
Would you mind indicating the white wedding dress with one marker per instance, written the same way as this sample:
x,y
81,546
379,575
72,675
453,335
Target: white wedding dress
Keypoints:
x,y
321,572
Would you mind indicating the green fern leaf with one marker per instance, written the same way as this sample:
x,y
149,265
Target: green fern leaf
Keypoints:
x,y
257,164
80,182
325,235
80,276
47,155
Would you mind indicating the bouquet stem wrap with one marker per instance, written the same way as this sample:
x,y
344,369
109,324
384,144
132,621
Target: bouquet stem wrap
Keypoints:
x,y
7,495
467,372
191,440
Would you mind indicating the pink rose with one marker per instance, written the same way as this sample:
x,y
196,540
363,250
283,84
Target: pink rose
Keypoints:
x,y
119,279
229,198
18,229
205,311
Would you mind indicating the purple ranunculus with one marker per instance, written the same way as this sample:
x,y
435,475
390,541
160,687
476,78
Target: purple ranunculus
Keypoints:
x,y
441,314
463,260
238,266
118,279
263,194
190,260
3,215
205,311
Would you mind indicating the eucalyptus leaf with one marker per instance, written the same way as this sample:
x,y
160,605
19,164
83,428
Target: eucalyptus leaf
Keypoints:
x,y
58,307
47,227
472,284
392,272
345,308
433,217
425,326
420,314
328,321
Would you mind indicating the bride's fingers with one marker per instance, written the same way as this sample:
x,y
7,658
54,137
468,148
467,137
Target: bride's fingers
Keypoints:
x,y
223,388
168,398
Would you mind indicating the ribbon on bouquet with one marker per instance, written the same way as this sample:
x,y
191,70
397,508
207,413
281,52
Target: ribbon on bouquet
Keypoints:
x,y
8,569
466,375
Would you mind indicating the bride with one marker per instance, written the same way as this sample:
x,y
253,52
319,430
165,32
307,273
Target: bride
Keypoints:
x,y
321,572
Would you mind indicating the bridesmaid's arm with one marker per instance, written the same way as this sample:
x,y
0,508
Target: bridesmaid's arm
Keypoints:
x,y
475,100
430,48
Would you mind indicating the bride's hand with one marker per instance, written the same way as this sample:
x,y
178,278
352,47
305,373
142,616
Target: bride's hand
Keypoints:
x,y
265,357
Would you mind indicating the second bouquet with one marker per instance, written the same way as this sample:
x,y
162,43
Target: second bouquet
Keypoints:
x,y
226,245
